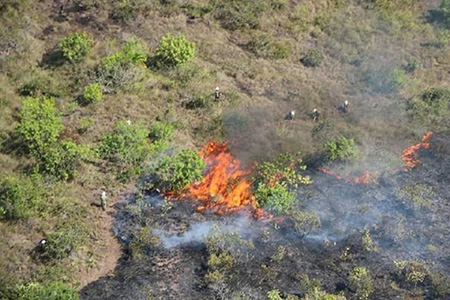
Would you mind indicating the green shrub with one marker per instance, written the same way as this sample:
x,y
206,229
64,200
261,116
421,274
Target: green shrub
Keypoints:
x,y
265,45
76,47
127,10
432,107
312,58
176,172
123,67
93,93
19,198
412,66
162,131
276,198
66,238
341,148
274,295
361,282
61,160
42,84
305,222
417,196
239,14
133,52
285,169
314,291
127,145
51,291
173,51
39,124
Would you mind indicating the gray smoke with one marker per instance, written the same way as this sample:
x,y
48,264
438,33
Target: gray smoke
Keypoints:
x,y
198,232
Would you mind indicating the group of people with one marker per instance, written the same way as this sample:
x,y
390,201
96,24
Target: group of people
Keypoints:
x,y
315,115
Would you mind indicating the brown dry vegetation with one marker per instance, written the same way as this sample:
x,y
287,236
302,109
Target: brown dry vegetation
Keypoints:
x,y
366,49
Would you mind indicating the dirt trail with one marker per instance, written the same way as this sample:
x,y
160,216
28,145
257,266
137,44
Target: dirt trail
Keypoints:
x,y
110,248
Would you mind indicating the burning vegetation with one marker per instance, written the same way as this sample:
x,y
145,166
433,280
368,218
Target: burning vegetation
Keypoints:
x,y
225,187
410,154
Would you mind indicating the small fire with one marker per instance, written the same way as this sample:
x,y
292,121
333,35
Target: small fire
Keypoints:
x,y
409,155
224,188
365,178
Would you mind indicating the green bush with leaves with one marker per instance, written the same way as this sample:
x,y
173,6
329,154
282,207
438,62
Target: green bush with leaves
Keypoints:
x,y
76,47
432,107
361,282
274,295
176,172
276,198
66,238
265,45
314,291
127,10
20,197
174,50
50,291
162,131
305,221
239,14
127,145
61,160
445,7
313,58
39,127
341,149
92,93
123,67
39,124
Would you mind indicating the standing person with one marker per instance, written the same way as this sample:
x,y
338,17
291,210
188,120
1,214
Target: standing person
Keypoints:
x,y
217,94
315,115
290,116
345,106
103,200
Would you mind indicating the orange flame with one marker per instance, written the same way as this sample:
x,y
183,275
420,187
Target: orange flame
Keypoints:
x,y
409,155
224,188
365,178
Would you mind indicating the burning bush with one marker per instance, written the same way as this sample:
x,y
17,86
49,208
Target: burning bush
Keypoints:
x,y
341,149
176,172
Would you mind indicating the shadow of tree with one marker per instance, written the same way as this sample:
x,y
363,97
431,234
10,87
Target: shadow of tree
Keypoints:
x,y
52,59
438,18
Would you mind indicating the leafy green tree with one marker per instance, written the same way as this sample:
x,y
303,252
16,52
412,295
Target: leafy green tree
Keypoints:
x,y
61,160
274,295
39,124
174,50
126,145
51,291
66,238
93,93
276,198
361,282
341,148
19,197
76,46
274,181
176,172
162,131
